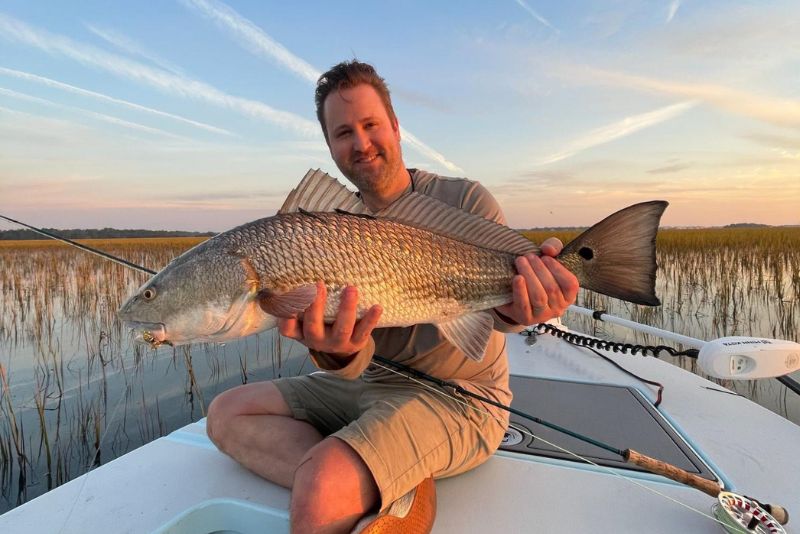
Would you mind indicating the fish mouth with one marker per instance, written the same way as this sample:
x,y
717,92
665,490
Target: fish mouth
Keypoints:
x,y
153,334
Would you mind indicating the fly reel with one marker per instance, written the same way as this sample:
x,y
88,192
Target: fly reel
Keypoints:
x,y
742,515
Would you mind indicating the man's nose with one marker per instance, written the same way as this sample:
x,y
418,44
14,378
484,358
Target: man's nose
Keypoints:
x,y
361,140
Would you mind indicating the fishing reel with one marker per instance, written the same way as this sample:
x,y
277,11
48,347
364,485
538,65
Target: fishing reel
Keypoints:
x,y
742,515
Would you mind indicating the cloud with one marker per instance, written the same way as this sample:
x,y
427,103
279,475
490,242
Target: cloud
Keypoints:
x,y
772,110
131,47
673,8
92,114
524,5
619,129
773,140
422,100
669,169
232,194
254,39
15,30
99,96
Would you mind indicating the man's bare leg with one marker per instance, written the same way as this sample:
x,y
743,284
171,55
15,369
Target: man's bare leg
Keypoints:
x,y
331,485
333,489
253,425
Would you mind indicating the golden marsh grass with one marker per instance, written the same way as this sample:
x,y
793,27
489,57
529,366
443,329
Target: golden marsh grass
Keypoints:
x,y
76,392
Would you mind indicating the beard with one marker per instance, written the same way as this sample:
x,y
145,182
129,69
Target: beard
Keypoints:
x,y
376,177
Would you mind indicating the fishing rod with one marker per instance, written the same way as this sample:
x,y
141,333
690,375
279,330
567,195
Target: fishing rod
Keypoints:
x,y
90,250
648,463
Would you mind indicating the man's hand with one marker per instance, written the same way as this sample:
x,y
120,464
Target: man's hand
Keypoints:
x,y
543,288
344,337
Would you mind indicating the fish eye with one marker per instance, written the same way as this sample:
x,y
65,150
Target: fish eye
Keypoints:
x,y
586,253
149,293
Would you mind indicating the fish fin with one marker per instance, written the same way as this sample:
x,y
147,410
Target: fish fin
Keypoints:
x,y
422,211
288,304
617,256
318,191
469,333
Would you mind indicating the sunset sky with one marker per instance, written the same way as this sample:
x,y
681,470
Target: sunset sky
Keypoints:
x,y
199,115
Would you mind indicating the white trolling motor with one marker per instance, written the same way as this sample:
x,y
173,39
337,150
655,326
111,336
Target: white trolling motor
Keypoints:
x,y
732,358
749,358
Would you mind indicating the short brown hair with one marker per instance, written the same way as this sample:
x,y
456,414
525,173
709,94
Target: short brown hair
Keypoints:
x,y
345,75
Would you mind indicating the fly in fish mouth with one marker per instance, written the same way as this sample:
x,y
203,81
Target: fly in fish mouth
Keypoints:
x,y
153,334
154,342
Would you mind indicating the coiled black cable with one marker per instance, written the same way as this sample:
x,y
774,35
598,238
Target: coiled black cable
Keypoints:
x,y
614,346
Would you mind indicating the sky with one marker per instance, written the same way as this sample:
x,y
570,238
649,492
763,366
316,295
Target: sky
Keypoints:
x,y
199,114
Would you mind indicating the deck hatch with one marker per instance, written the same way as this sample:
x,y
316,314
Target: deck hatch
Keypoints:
x,y
617,415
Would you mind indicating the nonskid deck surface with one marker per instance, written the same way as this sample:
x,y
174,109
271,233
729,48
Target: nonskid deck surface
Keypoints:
x,y
180,482
619,416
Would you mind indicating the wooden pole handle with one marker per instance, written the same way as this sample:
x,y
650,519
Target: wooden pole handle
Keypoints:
x,y
677,474
672,472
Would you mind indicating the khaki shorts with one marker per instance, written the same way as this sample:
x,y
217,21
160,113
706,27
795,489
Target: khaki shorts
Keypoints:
x,y
403,431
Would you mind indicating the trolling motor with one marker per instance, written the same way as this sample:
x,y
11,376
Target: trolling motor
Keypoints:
x,y
733,358
749,358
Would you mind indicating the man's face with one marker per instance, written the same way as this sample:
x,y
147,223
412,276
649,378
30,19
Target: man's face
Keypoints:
x,y
364,141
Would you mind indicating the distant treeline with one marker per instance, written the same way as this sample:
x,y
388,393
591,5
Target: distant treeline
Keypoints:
x,y
102,233
734,225
747,225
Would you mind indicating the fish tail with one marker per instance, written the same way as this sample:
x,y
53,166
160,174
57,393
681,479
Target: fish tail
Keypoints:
x,y
617,256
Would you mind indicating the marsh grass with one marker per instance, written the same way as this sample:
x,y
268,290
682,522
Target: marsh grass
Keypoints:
x,y
75,391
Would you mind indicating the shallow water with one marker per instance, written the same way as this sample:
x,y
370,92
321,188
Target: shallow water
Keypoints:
x,y
77,392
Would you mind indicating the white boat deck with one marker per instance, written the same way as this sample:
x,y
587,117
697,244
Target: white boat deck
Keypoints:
x,y
151,489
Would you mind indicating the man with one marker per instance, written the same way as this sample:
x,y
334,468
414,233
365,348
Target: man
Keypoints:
x,y
355,438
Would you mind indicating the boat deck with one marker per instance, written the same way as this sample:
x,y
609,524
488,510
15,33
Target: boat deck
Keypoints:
x,y
180,483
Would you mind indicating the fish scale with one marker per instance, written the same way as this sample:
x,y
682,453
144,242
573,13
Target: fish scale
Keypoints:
x,y
417,276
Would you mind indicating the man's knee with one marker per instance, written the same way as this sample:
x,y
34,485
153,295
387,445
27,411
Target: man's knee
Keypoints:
x,y
261,398
332,484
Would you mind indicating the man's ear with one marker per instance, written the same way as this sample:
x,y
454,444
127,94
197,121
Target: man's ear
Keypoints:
x,y
396,127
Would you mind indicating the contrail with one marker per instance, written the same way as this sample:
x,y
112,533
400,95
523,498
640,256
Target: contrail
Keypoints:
x,y
254,39
98,116
428,151
127,45
15,30
85,92
673,8
619,129
524,5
